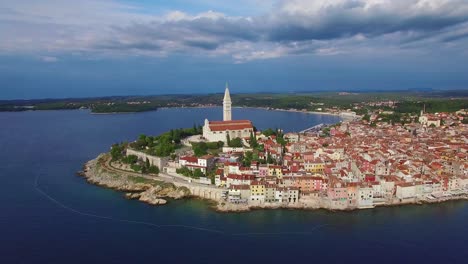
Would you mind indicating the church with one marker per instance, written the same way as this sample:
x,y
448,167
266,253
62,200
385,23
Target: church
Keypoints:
x,y
218,130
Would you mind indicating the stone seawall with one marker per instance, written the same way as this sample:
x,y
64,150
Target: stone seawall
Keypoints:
x,y
205,192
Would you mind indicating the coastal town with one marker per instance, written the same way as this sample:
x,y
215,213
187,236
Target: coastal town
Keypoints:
x,y
360,162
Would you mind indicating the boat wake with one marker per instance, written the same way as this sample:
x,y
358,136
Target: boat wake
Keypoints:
x,y
196,228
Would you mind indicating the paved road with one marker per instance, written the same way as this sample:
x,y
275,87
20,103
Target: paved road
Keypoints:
x,y
172,178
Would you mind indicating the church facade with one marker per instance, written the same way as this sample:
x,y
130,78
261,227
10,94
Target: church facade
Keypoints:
x,y
219,130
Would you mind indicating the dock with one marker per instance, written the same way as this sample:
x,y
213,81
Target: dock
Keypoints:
x,y
313,129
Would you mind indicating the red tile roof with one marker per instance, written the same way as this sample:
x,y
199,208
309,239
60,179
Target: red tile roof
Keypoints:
x,y
230,125
241,177
240,187
190,159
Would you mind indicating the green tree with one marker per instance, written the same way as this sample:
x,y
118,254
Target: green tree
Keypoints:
x,y
268,132
280,139
197,173
366,117
200,148
261,147
117,151
149,141
253,140
130,159
135,167
326,131
185,171
176,137
153,169
269,159
235,143
248,157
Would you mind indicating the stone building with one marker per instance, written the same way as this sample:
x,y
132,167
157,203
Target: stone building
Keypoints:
x,y
219,130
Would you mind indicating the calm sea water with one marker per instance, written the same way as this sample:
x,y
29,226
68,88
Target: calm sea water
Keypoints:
x,y
68,220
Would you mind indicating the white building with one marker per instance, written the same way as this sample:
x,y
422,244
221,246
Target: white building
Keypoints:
x,y
236,179
405,190
428,120
365,197
219,130
204,163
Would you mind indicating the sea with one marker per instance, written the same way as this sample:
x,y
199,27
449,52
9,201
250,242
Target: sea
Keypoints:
x,y
50,215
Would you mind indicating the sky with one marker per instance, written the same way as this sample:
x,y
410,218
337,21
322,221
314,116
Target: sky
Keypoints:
x,y
87,48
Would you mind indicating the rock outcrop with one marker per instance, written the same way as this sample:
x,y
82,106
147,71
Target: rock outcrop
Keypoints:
x,y
145,189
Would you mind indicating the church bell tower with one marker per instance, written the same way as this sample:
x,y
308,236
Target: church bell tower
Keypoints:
x,y
227,114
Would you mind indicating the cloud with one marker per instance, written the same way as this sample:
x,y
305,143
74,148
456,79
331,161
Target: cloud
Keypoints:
x,y
290,27
49,59
304,20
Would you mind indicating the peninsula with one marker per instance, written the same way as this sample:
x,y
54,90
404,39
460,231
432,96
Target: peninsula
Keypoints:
x,y
379,158
320,102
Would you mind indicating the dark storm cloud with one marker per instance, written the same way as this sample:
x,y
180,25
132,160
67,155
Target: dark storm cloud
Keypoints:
x,y
332,22
339,23
141,45
228,28
290,27
455,37
207,45
207,33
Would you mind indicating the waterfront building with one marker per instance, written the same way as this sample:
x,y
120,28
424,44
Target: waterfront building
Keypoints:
x,y
365,196
293,195
405,190
353,192
337,194
239,193
281,194
270,190
257,191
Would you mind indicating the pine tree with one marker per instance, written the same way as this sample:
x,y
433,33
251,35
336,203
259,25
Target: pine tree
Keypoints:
x,y
253,140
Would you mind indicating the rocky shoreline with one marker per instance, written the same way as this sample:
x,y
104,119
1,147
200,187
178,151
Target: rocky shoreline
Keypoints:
x,y
136,187
156,191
